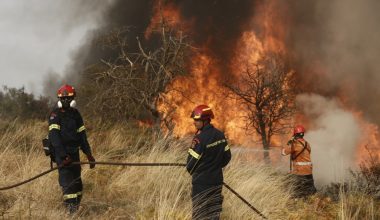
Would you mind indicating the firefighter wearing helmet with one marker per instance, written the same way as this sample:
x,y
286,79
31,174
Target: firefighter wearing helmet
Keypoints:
x,y
300,163
67,134
208,154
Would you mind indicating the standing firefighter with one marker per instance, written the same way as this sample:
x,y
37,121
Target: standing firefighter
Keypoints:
x,y
208,154
300,163
67,134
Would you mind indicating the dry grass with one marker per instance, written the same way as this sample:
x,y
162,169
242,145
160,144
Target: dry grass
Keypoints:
x,y
148,192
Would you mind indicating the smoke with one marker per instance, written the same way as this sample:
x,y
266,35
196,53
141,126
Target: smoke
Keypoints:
x,y
215,24
61,25
333,136
132,14
335,41
37,36
331,44
336,48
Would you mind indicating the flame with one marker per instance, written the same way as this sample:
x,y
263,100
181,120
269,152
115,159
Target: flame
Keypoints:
x,y
250,50
206,83
169,14
272,25
266,34
369,143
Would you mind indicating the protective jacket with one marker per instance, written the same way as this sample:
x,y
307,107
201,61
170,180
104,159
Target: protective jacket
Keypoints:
x,y
299,151
208,154
67,133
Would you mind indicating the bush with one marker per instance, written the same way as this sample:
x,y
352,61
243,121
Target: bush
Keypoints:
x,y
16,103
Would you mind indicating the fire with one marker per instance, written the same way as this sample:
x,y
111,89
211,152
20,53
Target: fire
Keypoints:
x,y
266,34
249,50
272,25
206,83
369,143
204,87
169,14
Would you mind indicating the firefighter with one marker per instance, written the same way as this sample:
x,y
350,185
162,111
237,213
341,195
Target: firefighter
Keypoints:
x,y
300,163
67,134
208,154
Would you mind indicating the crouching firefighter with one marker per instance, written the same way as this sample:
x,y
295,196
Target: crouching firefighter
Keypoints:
x,y
66,135
208,154
300,163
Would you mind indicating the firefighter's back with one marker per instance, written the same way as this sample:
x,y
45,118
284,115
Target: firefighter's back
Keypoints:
x,y
209,170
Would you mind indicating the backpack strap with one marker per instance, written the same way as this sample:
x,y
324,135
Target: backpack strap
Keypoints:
x,y
305,147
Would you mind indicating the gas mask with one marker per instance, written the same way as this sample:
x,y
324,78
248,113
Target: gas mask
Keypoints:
x,y
66,102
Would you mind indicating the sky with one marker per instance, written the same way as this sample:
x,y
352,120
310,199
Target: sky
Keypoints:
x,y
40,36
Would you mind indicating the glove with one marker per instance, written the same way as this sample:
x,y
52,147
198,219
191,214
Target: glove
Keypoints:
x,y
67,161
90,158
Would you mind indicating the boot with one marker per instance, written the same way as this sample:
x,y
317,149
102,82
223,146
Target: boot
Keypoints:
x,y
71,205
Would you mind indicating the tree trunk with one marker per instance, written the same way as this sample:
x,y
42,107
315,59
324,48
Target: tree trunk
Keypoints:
x,y
266,149
156,118
265,142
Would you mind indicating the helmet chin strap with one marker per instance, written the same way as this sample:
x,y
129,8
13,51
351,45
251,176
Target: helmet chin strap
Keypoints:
x,y
204,123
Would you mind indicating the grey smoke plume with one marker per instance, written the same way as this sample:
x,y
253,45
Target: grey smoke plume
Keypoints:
x,y
335,41
37,36
110,14
333,44
333,135
54,22
336,50
215,23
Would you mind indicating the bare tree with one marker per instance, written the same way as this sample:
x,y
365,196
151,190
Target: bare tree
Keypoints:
x,y
133,84
266,92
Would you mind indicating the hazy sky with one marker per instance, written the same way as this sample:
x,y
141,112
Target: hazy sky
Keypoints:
x,y
39,36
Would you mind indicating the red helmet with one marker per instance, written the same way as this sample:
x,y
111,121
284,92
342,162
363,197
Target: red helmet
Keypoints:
x,y
202,112
66,91
298,129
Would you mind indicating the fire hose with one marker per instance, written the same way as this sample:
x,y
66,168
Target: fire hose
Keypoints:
x,y
131,164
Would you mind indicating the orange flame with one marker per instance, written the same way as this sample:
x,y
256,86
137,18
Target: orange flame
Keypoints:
x,y
369,143
168,14
205,85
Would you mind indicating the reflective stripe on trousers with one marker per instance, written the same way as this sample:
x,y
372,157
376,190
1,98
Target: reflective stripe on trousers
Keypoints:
x,y
303,163
72,195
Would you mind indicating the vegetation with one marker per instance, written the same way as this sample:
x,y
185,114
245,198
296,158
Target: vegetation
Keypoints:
x,y
130,87
112,192
266,92
132,84
16,103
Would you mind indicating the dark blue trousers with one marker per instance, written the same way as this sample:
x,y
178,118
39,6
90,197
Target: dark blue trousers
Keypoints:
x,y
71,184
207,201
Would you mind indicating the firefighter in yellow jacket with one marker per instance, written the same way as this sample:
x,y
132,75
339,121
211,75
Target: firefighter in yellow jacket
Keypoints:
x,y
300,163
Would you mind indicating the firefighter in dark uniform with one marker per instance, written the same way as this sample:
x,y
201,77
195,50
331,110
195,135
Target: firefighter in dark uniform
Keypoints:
x,y
208,154
67,134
